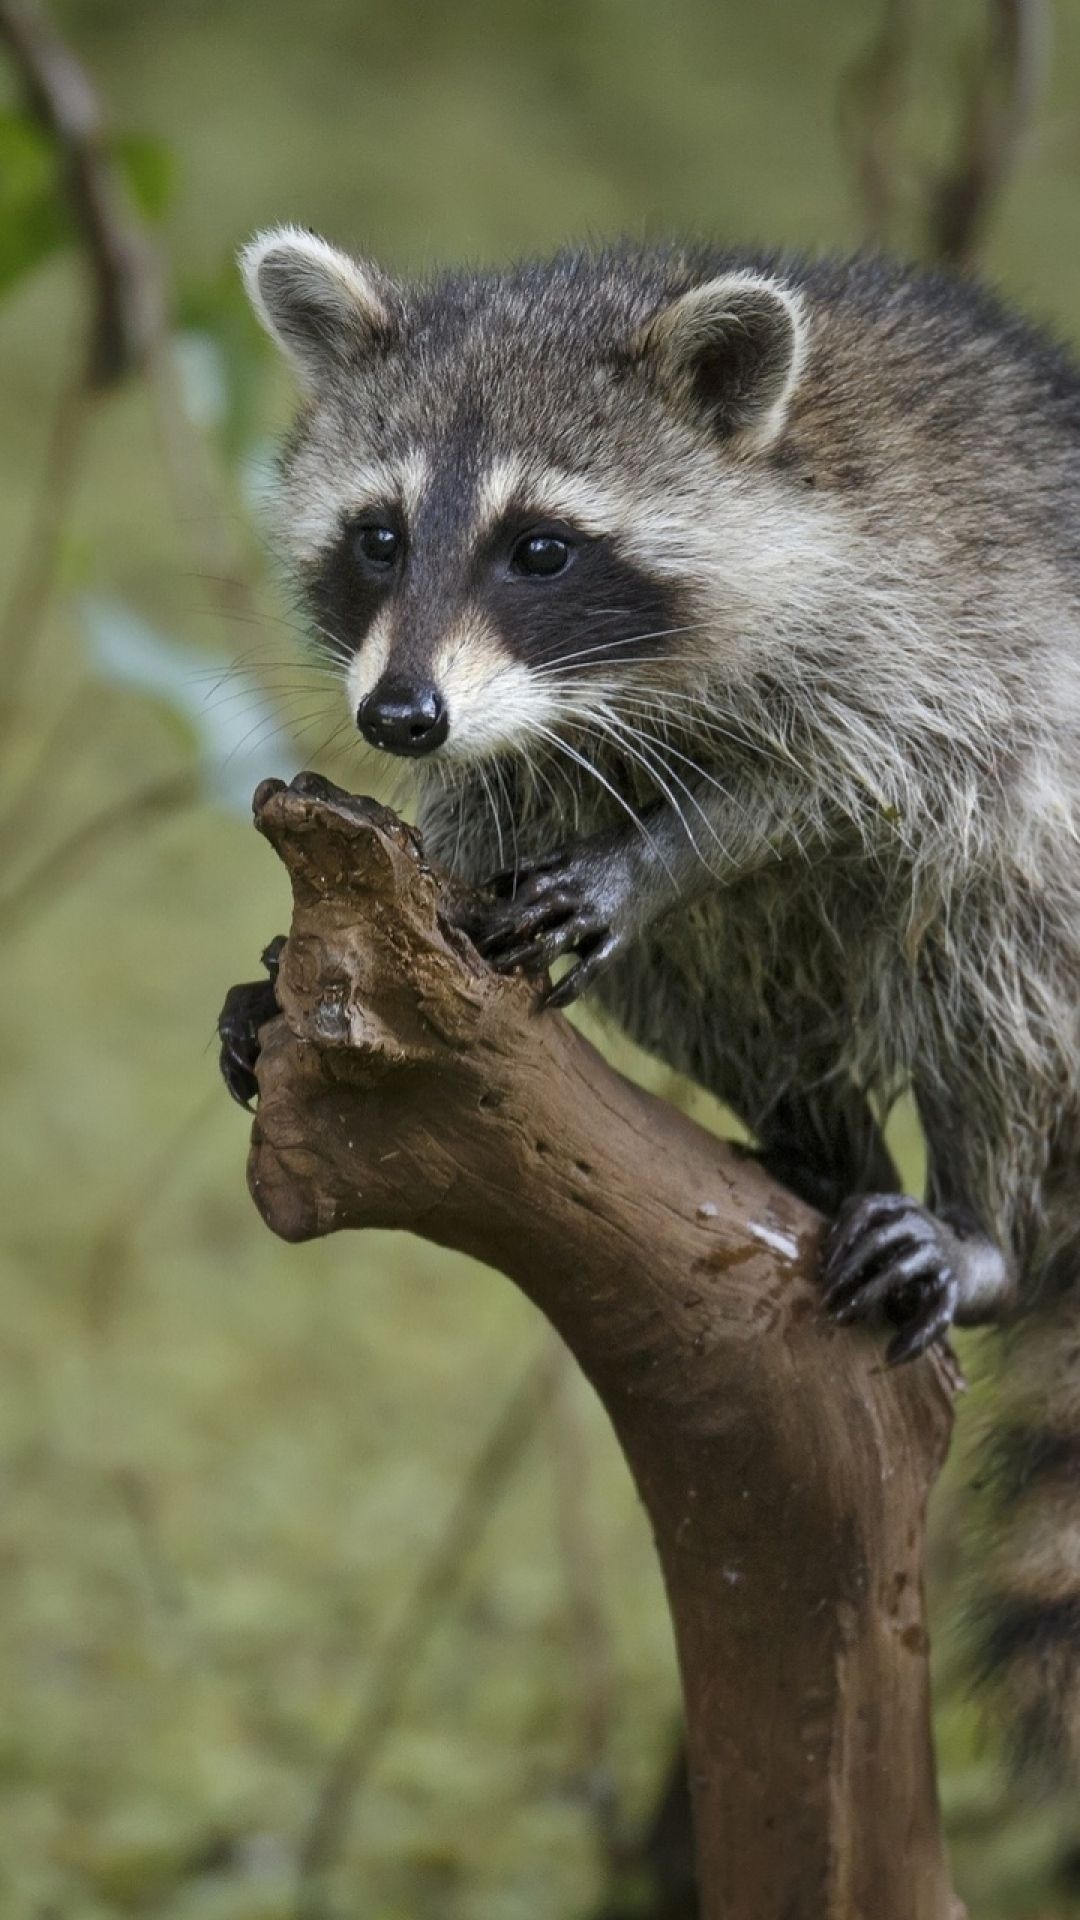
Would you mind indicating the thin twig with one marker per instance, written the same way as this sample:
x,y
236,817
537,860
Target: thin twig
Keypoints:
x,y
127,309
128,334
129,325
948,212
873,95
996,113
124,268
373,1720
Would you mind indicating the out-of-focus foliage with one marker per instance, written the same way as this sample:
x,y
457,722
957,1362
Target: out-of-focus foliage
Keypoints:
x,y
34,217
224,1460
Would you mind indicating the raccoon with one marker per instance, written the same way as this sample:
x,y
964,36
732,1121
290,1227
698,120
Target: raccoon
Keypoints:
x,y
727,608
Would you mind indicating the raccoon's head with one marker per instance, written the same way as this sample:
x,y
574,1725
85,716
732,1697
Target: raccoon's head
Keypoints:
x,y
517,501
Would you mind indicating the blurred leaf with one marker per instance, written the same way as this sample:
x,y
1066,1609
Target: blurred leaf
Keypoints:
x,y
229,717
149,168
34,222
27,158
29,233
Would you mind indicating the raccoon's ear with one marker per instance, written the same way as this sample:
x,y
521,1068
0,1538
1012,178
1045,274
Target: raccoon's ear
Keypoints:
x,y
319,305
732,350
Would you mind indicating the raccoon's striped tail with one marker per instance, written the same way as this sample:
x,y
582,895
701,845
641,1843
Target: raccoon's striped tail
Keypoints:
x,y
1028,1610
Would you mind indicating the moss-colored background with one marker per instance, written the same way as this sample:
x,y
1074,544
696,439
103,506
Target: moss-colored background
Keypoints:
x,y
224,1462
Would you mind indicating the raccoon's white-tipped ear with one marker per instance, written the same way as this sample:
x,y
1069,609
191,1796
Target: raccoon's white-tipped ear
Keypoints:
x,y
733,351
319,305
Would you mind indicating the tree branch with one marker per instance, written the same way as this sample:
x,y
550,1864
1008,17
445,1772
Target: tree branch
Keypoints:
x,y
995,116
124,269
785,1473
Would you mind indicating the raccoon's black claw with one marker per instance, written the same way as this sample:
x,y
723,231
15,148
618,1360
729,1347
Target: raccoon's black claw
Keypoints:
x,y
886,1259
530,929
548,913
579,978
247,1008
584,899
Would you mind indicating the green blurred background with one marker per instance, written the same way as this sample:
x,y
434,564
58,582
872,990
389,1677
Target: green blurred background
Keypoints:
x,y
226,1463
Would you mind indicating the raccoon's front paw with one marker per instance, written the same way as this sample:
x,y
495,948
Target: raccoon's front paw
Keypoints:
x,y
575,901
888,1259
247,1008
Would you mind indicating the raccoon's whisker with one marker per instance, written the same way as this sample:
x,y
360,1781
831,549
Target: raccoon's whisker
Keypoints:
x,y
710,779
541,771
538,772
298,733
518,780
486,784
395,793
239,670
246,616
702,725
267,729
457,841
660,748
246,654
612,646
451,783
261,671
219,676
621,740
336,648
563,746
511,813
706,723
633,639
569,670
326,745
636,744
236,697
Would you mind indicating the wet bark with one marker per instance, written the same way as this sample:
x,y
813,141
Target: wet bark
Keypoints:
x,y
785,1473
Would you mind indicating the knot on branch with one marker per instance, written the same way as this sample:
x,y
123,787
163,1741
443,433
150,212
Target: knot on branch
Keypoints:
x,y
412,984
383,995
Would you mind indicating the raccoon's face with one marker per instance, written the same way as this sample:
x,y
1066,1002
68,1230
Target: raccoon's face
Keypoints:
x,y
516,502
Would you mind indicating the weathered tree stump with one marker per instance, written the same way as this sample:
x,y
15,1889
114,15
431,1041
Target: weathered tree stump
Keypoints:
x,y
785,1472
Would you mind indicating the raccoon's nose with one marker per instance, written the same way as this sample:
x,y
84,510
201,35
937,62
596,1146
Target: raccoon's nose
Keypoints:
x,y
402,717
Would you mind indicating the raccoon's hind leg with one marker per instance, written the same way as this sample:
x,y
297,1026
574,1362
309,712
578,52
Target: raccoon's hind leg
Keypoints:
x,y
918,1268
824,1144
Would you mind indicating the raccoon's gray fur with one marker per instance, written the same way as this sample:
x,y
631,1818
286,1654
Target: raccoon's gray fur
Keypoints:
x,y
818,630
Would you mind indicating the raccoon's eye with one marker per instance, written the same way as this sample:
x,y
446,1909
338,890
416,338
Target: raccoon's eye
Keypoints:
x,y
376,546
541,555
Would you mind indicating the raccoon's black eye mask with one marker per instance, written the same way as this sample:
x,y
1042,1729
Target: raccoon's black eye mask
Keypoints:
x,y
376,547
